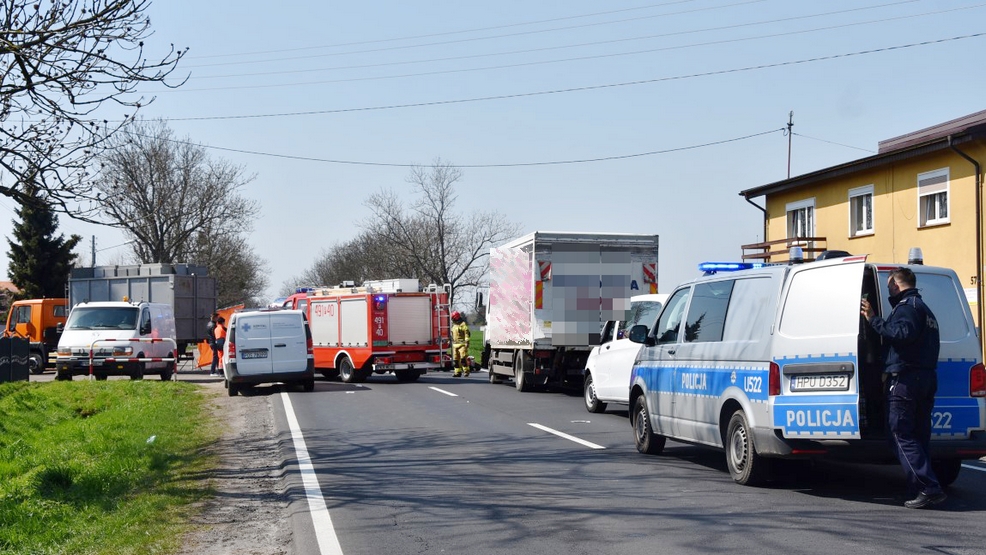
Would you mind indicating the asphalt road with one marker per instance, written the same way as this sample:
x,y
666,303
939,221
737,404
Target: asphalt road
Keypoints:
x,y
449,465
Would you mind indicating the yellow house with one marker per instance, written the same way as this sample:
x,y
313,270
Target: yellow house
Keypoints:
x,y
923,189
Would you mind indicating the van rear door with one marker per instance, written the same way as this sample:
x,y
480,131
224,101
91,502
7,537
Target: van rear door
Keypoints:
x,y
289,345
816,350
251,335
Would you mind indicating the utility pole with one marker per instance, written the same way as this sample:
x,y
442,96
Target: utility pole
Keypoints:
x,y
94,250
790,124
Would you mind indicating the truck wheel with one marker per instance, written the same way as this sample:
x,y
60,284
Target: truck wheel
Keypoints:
x,y
592,403
745,465
36,363
947,470
494,378
644,438
523,364
347,373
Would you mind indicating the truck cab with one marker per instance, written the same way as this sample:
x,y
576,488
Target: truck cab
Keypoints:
x,y
37,320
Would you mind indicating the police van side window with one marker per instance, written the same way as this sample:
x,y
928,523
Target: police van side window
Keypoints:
x,y
707,312
940,293
666,330
750,308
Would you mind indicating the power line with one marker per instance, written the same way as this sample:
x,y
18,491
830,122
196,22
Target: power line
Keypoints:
x,y
474,166
445,33
834,143
583,88
596,43
542,62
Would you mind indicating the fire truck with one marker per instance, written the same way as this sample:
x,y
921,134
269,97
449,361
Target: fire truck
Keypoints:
x,y
386,326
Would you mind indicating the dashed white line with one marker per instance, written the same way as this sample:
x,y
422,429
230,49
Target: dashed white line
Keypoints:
x,y
973,467
588,444
325,533
449,393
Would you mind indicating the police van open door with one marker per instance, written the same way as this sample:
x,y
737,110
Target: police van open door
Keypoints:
x,y
816,349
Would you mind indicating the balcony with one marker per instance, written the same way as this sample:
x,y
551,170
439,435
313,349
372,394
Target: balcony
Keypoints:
x,y
779,251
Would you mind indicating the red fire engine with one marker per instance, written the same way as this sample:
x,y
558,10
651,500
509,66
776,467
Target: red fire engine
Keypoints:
x,y
383,326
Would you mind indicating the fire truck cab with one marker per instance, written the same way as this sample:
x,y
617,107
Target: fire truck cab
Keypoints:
x,y
386,326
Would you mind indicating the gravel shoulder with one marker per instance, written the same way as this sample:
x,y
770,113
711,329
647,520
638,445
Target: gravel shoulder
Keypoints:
x,y
249,513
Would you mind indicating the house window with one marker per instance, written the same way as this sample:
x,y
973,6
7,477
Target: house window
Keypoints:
x,y
801,219
933,198
861,211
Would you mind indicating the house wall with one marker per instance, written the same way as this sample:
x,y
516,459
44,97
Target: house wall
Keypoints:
x,y
896,214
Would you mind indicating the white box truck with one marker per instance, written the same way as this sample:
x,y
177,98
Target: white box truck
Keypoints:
x,y
550,294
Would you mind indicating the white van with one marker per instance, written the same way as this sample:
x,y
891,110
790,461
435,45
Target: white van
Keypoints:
x,y
776,361
266,346
124,339
606,378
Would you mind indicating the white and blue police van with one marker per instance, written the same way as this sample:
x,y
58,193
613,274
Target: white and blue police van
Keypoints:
x,y
775,361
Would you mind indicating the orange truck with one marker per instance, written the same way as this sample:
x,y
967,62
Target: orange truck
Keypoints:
x,y
386,326
37,320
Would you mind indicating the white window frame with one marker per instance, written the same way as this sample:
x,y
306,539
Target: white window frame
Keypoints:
x,y
933,190
857,194
795,206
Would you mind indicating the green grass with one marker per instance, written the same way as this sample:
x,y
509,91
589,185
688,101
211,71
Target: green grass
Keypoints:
x,y
476,345
79,473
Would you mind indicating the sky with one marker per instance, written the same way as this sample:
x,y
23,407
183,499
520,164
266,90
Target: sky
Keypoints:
x,y
624,116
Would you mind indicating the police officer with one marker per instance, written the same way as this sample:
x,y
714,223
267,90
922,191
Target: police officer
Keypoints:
x,y
911,342
460,345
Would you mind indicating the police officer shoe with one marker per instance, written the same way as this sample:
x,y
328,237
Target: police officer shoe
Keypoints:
x,y
925,500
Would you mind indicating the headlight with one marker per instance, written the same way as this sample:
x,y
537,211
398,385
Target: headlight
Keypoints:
x,y
64,351
122,351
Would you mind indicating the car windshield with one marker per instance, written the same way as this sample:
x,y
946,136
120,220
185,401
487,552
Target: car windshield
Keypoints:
x,y
102,318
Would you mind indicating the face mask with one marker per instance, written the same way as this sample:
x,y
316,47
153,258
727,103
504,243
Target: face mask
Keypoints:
x,y
894,292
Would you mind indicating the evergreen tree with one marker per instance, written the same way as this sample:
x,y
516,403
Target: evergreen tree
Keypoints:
x,y
39,261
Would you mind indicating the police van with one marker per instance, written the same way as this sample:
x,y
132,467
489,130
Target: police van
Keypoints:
x,y
776,361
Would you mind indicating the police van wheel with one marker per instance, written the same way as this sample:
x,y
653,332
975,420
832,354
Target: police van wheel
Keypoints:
x,y
646,440
947,470
745,465
592,403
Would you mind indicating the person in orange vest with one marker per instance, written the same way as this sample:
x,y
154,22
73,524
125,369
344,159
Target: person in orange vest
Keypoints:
x,y
219,333
460,345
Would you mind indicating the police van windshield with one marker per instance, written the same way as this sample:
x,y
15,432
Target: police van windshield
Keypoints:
x,y
102,318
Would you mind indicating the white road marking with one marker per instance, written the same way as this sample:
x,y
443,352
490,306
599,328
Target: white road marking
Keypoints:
x,y
588,444
971,467
325,533
449,393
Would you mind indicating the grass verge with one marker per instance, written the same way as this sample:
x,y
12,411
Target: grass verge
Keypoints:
x,y
100,467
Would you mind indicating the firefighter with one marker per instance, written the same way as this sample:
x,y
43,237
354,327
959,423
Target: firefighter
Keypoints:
x,y
460,345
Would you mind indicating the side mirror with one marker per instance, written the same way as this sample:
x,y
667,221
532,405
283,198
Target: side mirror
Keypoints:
x,y
638,334
145,329
60,327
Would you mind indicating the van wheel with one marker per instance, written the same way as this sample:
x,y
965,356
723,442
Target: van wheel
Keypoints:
x,y
232,389
745,465
523,365
138,373
35,363
347,373
404,376
592,403
308,385
170,370
63,376
947,470
644,438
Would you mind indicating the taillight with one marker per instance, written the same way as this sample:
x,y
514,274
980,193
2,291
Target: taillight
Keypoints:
x,y
436,358
232,351
384,360
774,380
311,345
977,380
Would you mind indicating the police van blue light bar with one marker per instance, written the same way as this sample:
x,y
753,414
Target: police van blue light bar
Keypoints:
x,y
713,267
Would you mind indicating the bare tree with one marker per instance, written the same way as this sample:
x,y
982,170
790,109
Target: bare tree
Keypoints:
x,y
364,258
60,61
434,239
179,205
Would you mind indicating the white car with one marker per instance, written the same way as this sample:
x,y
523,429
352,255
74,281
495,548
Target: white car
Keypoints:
x,y
606,378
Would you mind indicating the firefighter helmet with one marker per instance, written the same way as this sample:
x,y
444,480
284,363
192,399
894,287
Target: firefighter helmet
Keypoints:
x,y
456,316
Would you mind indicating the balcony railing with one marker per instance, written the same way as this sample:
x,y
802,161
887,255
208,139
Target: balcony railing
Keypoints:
x,y
780,249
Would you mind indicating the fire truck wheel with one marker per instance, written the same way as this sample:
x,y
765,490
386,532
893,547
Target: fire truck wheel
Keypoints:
x,y
407,375
349,374
36,363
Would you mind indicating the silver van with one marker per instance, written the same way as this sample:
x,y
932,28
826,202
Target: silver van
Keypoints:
x,y
776,361
267,346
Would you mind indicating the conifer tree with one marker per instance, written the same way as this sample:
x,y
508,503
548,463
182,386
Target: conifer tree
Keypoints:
x,y
39,261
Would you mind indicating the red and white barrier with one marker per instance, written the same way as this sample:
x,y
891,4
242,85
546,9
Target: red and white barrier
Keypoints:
x,y
174,347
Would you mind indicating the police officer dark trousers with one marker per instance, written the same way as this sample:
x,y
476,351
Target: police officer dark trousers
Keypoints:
x,y
911,342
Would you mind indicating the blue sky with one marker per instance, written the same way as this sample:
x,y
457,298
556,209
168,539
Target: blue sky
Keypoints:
x,y
582,80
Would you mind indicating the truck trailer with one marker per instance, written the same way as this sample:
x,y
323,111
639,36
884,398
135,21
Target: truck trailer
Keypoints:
x,y
187,288
550,294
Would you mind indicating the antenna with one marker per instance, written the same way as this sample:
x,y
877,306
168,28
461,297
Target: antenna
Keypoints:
x,y
790,124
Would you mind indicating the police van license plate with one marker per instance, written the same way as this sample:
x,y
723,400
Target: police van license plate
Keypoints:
x,y
261,353
820,382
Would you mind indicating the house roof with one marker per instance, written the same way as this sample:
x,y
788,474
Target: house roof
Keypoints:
x,y
914,144
9,286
